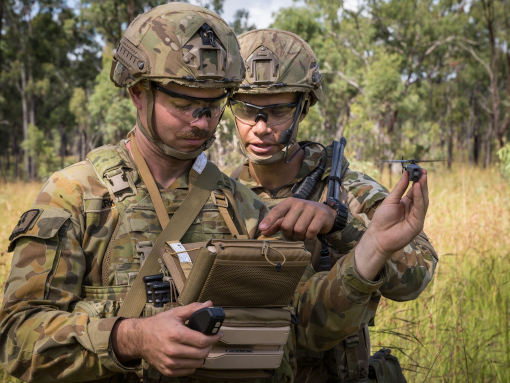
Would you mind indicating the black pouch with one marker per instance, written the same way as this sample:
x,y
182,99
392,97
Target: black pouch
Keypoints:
x,y
385,368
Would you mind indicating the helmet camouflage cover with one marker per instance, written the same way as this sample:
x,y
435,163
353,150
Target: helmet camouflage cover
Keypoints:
x,y
279,61
178,43
181,44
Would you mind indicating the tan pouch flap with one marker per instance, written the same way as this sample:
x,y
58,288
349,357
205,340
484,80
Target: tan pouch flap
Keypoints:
x,y
255,335
243,359
252,317
197,277
246,273
171,260
252,250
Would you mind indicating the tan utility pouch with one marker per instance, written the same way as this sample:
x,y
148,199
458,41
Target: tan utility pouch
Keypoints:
x,y
253,339
246,273
253,280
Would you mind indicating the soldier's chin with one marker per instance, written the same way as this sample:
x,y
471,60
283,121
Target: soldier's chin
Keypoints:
x,y
191,144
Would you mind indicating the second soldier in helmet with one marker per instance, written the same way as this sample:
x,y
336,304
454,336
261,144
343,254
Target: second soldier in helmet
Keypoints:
x,y
282,82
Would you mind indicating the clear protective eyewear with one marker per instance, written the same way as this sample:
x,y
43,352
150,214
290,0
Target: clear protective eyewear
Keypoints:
x,y
191,109
272,115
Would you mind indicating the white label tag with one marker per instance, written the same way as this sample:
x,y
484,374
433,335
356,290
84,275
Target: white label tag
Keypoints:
x,y
181,252
200,163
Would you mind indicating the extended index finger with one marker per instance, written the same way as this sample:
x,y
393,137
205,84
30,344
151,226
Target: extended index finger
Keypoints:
x,y
275,214
425,188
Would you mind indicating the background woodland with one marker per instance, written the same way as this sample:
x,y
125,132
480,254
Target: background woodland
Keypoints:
x,y
416,78
423,79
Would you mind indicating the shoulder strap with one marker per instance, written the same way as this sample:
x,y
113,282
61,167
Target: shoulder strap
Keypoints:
x,y
152,188
114,171
237,172
134,302
222,198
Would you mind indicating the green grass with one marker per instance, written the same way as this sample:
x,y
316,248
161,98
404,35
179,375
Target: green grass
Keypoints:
x,y
458,329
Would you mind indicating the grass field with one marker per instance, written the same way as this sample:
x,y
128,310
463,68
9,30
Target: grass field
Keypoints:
x,y
458,330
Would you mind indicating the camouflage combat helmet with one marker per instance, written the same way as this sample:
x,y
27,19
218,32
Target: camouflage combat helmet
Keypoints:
x,y
279,61
182,44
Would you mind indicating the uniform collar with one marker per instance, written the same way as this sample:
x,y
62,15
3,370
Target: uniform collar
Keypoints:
x,y
180,183
313,155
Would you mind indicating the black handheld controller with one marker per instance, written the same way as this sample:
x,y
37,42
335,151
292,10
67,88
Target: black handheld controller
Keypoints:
x,y
207,320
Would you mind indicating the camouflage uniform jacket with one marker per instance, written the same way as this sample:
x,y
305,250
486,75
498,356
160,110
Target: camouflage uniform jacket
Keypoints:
x,y
403,278
60,301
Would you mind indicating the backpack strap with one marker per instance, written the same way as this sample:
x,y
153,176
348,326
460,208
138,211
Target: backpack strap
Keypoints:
x,y
223,199
114,170
237,172
117,174
182,219
148,180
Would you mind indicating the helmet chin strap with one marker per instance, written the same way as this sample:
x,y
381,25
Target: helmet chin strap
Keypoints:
x,y
156,141
288,138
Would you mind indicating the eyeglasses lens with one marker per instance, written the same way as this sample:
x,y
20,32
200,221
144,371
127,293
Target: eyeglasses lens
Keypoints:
x,y
277,114
184,108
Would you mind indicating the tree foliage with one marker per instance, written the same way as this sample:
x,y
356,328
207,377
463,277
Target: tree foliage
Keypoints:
x,y
419,78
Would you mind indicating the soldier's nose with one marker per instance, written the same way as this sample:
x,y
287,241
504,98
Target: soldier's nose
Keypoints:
x,y
201,123
261,127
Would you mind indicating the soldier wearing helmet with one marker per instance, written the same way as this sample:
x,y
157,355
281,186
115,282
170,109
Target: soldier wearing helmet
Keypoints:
x,y
79,249
282,82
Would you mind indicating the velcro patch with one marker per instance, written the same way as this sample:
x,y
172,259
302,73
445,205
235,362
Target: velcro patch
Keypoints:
x,y
107,203
25,221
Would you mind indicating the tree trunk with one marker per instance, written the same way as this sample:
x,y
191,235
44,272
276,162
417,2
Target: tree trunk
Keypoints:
x,y
24,109
487,144
31,96
493,76
450,146
359,153
1,18
470,129
449,137
131,11
477,144
16,158
62,145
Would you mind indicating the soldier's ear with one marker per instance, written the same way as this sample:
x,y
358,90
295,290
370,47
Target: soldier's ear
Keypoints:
x,y
302,117
137,95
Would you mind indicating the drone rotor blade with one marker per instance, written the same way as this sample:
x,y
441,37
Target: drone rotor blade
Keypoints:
x,y
430,160
397,161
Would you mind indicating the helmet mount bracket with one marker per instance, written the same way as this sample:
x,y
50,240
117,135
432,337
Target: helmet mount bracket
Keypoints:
x,y
262,67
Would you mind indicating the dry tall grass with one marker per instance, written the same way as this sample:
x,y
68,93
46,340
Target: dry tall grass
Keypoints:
x,y
458,330
15,199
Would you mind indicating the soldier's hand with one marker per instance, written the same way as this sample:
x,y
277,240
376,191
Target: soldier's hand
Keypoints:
x,y
394,225
298,219
164,341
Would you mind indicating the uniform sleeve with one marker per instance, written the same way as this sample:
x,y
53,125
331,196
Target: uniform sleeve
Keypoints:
x,y
409,270
40,339
333,305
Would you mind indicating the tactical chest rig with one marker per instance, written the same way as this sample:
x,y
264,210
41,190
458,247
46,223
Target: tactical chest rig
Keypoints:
x,y
347,361
253,280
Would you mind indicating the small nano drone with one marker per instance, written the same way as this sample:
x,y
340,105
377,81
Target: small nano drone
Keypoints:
x,y
412,167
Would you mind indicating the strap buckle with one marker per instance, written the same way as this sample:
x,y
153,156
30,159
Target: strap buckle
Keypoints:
x,y
219,199
118,180
144,248
352,340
